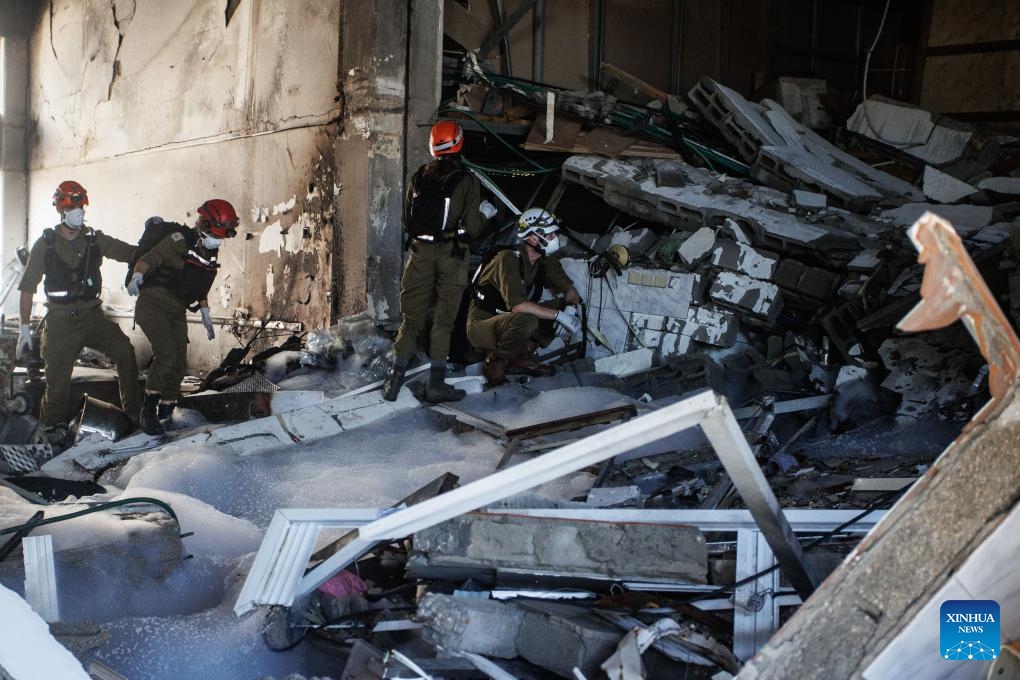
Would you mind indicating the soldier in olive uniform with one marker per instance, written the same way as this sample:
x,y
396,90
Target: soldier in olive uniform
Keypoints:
x,y
441,215
176,272
67,259
505,317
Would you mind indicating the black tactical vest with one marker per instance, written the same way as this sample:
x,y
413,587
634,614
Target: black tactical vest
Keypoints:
x,y
63,283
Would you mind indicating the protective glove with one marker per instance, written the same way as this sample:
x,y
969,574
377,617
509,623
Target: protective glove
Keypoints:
x,y
487,209
134,285
568,321
24,341
207,322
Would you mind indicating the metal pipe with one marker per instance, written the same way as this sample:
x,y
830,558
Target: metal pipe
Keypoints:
x,y
676,48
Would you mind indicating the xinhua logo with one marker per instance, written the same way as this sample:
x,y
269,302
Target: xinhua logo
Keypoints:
x,y
969,630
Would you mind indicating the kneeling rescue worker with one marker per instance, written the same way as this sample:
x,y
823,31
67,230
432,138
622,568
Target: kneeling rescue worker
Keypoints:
x,y
505,317
441,216
67,258
175,273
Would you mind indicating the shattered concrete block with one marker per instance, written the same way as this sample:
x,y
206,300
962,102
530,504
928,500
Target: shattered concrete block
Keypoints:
x,y
738,257
706,324
735,231
559,637
606,496
566,547
741,292
864,261
819,284
628,363
802,98
788,273
1001,185
741,122
636,241
674,344
934,138
471,624
958,215
697,246
799,168
944,188
649,328
850,373
809,199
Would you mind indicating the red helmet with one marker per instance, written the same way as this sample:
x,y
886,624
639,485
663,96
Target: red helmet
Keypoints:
x,y
221,216
70,194
445,138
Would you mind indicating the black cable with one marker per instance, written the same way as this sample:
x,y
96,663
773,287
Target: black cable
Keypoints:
x,y
102,506
875,505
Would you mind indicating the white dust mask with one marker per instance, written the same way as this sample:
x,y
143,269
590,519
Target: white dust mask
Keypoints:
x,y
210,242
74,218
552,243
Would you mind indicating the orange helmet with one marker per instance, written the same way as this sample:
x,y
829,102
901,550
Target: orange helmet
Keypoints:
x,y
446,137
221,216
68,195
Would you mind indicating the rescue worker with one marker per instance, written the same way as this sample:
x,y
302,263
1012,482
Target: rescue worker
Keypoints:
x,y
67,258
441,215
178,271
505,317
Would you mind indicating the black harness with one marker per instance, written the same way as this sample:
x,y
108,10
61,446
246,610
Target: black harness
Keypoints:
x,y
488,296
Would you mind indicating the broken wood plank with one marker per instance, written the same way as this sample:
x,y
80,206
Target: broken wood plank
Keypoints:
x,y
633,82
602,417
480,424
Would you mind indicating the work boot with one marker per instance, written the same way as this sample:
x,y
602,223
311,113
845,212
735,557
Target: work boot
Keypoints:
x,y
394,379
494,370
165,412
437,390
527,364
149,419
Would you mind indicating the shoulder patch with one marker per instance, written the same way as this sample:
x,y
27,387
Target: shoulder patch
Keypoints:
x,y
177,236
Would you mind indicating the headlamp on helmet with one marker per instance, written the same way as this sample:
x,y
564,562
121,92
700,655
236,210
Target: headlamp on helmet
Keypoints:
x,y
70,195
541,224
220,216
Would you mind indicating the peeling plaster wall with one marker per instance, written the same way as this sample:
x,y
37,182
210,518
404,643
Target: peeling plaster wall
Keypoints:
x,y
157,106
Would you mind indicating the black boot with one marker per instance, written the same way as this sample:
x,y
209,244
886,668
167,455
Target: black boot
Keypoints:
x,y
437,390
165,412
149,420
395,378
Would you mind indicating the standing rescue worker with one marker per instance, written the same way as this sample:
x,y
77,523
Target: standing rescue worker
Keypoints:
x,y
67,259
440,216
505,317
177,272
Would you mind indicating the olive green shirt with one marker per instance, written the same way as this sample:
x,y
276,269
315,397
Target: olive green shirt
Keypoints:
x,y
512,275
171,252
464,202
71,252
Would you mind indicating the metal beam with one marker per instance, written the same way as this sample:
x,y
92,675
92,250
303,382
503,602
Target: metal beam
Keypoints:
x,y
41,577
727,439
505,27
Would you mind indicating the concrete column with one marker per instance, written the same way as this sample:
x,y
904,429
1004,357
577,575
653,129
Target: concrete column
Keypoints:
x,y
13,154
370,155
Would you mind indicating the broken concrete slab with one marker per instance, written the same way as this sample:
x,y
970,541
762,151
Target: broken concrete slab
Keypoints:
x,y
761,299
626,363
697,246
560,637
469,624
933,138
741,122
707,324
628,187
786,167
565,547
944,188
1001,185
744,259
959,215
809,199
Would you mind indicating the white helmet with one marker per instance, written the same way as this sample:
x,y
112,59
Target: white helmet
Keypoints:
x,y
542,224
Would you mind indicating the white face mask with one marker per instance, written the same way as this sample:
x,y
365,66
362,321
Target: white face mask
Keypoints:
x,y
552,243
210,242
74,218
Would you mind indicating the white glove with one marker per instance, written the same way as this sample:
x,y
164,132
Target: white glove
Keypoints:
x,y
568,320
134,285
207,322
24,341
487,209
